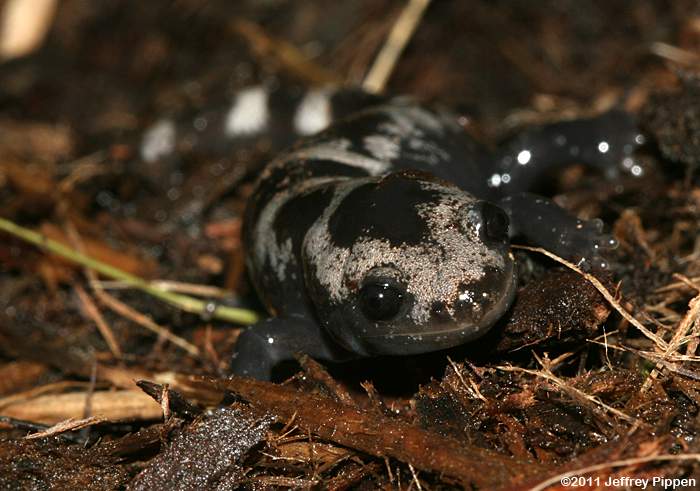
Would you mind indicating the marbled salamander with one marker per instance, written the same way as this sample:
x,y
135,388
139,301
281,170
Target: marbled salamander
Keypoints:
x,y
385,229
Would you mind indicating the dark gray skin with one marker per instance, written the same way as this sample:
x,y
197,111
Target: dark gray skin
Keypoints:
x,y
388,233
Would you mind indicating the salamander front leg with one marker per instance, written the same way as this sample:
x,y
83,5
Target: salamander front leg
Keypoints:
x,y
543,223
260,348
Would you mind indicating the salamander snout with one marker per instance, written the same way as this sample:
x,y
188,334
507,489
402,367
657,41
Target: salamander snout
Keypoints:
x,y
482,302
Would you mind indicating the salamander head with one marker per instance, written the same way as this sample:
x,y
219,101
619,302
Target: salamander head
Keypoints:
x,y
408,264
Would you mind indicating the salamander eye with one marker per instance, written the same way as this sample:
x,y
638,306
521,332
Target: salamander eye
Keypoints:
x,y
495,223
380,301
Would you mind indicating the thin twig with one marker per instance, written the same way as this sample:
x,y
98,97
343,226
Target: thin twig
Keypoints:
x,y
572,391
83,168
398,38
415,477
94,313
123,309
183,302
692,283
689,320
674,53
67,425
472,388
143,320
119,405
194,289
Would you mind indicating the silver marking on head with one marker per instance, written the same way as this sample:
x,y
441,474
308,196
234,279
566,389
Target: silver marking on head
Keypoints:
x,y
158,141
433,271
249,113
314,112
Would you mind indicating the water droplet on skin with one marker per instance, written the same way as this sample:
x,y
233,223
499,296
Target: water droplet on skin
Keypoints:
x,y
524,157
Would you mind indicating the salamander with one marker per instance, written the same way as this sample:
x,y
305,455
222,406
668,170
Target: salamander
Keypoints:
x,y
385,229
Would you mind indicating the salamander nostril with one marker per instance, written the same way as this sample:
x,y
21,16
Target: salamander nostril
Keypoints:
x,y
440,311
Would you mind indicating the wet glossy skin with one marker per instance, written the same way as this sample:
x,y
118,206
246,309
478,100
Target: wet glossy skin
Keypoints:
x,y
388,233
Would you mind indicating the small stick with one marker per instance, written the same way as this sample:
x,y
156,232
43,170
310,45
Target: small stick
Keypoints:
x,y
674,53
123,309
119,405
94,313
193,289
415,477
472,388
183,302
144,321
69,424
572,391
398,38
689,320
